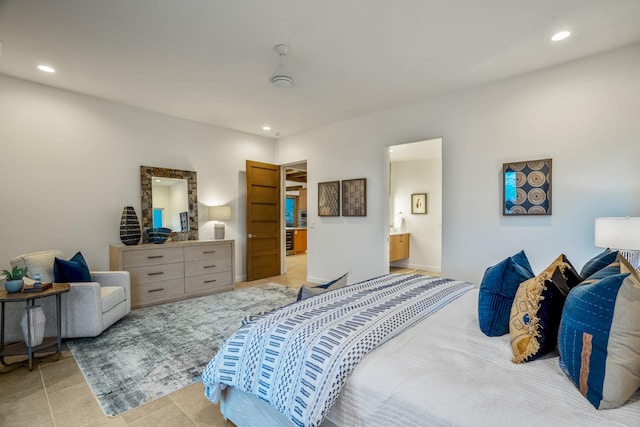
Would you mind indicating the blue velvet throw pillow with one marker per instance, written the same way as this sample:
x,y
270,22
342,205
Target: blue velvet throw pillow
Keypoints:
x,y
598,262
73,270
497,290
310,291
599,338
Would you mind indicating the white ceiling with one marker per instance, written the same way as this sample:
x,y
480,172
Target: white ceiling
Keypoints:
x,y
211,60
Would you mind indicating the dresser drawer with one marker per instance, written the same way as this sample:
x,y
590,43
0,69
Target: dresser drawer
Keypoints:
x,y
147,257
155,273
154,292
211,251
175,270
207,266
209,283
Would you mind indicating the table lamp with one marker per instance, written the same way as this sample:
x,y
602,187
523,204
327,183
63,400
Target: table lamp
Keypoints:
x,y
621,234
219,214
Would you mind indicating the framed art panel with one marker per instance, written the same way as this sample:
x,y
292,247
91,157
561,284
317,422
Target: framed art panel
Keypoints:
x,y
419,203
354,197
329,198
184,221
526,188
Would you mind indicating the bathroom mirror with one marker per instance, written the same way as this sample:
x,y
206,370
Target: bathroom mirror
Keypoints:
x,y
175,194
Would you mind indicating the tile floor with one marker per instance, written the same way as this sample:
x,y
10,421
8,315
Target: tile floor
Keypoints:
x,y
55,394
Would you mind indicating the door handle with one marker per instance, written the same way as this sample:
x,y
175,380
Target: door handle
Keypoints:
x,y
250,236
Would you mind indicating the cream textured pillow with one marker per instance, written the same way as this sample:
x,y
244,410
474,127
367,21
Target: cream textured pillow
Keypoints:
x,y
38,262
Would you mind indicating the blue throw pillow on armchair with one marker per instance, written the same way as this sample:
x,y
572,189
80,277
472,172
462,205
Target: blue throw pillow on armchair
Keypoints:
x,y
497,291
73,270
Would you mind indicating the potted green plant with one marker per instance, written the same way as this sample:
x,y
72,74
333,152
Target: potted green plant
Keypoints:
x,y
14,278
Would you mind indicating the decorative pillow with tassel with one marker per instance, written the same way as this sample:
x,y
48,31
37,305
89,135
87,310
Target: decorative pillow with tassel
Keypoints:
x,y
537,309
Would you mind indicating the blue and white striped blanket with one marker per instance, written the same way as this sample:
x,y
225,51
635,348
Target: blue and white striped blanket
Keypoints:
x,y
298,357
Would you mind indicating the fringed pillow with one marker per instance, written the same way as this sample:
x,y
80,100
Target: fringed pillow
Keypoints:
x,y
537,308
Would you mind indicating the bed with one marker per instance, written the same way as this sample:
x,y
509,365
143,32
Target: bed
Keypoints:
x,y
442,371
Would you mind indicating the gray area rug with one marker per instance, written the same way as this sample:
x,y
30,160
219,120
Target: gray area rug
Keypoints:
x,y
157,350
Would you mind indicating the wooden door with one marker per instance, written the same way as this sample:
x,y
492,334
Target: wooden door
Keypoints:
x,y
263,220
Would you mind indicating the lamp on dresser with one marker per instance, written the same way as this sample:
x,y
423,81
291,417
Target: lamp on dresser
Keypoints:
x,y
219,214
620,233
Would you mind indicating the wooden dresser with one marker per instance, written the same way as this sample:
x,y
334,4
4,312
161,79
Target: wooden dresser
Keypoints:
x,y
175,270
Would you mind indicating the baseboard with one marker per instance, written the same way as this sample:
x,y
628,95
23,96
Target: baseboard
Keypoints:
x,y
435,268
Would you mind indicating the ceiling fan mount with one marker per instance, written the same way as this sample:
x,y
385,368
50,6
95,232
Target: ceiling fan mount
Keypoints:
x,y
281,77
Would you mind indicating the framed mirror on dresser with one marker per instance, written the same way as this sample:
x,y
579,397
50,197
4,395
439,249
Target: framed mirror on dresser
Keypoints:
x,y
168,197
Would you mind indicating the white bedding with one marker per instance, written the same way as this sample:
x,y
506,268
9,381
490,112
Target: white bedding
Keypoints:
x,y
445,372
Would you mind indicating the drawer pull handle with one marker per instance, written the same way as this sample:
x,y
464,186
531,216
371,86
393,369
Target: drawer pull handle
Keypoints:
x,y
155,256
210,281
209,252
156,273
210,266
156,290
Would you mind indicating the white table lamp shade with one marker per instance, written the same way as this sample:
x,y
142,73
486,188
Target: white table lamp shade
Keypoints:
x,y
219,213
618,233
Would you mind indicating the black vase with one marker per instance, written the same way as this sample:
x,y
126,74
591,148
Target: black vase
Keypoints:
x,y
129,226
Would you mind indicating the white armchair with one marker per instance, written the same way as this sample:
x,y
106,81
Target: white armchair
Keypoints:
x,y
87,309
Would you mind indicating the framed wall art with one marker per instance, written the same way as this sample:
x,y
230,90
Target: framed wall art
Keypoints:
x,y
526,188
419,203
329,198
184,221
354,197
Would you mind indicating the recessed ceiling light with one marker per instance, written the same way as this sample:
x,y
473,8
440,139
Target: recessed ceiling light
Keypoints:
x,y
266,127
560,36
46,69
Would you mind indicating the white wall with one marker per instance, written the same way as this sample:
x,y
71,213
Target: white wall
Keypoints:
x,y
420,176
583,114
70,163
179,196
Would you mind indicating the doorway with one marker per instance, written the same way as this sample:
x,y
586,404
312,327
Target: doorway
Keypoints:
x,y
295,216
415,207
